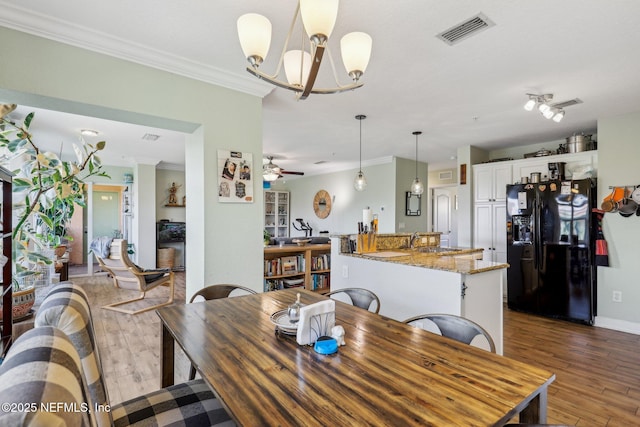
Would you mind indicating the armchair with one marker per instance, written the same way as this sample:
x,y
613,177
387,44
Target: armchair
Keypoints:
x,y
127,275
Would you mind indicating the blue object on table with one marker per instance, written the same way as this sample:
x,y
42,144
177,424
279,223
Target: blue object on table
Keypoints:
x,y
326,345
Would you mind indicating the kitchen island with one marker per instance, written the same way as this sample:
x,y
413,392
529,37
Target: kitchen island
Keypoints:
x,y
425,279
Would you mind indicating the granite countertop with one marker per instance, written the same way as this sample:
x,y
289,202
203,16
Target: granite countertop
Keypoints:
x,y
457,260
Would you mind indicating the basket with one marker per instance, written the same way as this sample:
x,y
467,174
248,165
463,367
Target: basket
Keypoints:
x,y
166,257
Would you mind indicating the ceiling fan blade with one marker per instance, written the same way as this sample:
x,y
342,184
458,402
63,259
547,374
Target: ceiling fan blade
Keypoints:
x,y
291,172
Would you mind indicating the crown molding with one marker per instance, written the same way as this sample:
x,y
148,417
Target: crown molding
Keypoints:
x,y
30,22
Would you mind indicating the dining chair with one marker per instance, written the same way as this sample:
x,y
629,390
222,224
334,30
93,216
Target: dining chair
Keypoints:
x,y
359,297
220,291
212,292
452,326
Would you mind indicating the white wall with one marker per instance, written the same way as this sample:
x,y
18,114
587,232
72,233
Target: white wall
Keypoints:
x,y
47,74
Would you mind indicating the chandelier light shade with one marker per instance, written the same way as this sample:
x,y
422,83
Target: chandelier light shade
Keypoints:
x,y
417,187
254,32
356,51
545,107
318,17
360,183
296,68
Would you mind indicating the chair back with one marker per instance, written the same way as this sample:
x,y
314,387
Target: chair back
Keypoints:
x,y
360,297
41,375
66,307
220,291
455,327
119,265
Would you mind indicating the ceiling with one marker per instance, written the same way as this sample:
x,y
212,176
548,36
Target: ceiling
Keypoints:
x,y
471,93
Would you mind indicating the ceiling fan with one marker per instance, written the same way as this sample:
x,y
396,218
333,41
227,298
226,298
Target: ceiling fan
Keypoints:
x,y
271,171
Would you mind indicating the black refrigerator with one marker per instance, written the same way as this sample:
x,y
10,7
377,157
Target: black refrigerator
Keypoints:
x,y
551,249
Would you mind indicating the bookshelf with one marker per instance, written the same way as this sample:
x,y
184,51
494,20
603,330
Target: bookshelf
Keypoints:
x,y
306,266
7,290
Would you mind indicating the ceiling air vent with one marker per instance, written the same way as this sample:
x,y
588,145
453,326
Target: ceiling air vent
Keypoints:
x,y
150,137
466,29
568,103
319,162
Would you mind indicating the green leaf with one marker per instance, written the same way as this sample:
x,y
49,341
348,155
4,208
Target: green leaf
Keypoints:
x,y
27,120
100,145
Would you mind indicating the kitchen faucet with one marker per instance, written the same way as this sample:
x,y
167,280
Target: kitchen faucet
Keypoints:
x,y
412,240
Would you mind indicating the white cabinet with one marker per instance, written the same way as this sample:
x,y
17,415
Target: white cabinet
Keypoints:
x,y
491,231
490,182
276,213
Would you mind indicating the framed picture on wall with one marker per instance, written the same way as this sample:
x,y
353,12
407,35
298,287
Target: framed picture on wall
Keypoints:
x,y
235,177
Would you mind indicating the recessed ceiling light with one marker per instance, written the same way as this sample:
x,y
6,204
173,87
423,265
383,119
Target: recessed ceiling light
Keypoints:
x,y
89,132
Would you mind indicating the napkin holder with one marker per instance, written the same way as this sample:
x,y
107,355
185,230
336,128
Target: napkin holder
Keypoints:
x,y
316,320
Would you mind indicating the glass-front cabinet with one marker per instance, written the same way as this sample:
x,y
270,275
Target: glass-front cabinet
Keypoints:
x,y
276,213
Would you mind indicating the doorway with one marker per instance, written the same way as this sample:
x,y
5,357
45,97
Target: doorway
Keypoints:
x,y
102,217
444,214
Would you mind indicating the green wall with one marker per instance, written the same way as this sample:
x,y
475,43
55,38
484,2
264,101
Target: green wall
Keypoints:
x,y
47,74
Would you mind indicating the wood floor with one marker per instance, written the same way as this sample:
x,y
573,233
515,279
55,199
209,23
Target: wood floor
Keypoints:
x,y
597,370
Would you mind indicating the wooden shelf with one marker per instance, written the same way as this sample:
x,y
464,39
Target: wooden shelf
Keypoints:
x,y
306,253
175,206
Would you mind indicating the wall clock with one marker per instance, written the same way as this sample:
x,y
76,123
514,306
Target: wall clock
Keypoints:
x,y
322,204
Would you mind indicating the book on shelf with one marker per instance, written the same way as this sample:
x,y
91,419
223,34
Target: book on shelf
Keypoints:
x,y
321,262
320,281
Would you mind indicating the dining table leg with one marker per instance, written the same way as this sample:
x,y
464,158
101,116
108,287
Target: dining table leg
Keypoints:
x,y
536,411
166,358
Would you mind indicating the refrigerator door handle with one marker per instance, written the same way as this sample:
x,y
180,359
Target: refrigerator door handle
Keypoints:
x,y
538,234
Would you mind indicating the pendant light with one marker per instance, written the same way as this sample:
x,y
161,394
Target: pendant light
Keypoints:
x,y
417,187
360,183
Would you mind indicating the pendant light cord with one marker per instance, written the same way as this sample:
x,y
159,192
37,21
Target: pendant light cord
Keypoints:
x,y
361,117
360,145
416,133
416,155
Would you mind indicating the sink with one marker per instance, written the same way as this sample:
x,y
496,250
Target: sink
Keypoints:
x,y
436,249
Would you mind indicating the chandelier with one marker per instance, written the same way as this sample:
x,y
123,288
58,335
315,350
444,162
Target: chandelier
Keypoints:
x,y
301,66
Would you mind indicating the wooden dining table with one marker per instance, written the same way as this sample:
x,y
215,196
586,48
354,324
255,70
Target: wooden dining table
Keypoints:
x,y
388,373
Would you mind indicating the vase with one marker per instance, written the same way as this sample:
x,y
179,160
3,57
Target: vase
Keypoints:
x,y
23,301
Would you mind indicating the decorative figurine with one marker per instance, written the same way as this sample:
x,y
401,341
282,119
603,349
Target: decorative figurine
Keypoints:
x,y
173,200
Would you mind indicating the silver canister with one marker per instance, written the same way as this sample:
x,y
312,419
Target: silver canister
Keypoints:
x,y
535,177
524,180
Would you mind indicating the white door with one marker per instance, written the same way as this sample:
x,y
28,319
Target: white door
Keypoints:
x,y
444,215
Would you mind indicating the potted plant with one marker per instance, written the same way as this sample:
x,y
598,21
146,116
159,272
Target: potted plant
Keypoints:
x,y
46,189
267,237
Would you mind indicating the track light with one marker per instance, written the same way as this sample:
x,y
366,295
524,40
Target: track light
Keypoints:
x,y
559,115
531,103
545,107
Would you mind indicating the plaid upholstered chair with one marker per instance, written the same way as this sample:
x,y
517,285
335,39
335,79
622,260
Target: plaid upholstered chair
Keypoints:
x,y
187,404
128,275
29,400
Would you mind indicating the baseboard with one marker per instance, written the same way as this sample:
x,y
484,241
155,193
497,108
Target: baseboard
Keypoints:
x,y
618,325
